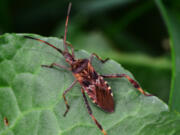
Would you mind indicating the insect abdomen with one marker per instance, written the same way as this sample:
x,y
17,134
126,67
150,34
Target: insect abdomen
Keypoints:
x,y
97,89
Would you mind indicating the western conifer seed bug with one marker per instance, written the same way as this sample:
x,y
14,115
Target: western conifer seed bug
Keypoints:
x,y
91,82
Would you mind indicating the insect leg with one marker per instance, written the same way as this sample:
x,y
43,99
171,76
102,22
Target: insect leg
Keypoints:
x,y
93,54
64,93
133,82
55,64
90,113
72,49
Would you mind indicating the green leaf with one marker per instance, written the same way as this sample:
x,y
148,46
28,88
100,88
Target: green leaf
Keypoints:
x,y
172,19
31,96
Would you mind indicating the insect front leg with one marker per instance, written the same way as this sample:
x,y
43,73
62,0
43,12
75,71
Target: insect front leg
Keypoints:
x,y
72,49
90,113
93,54
70,45
133,82
55,64
64,93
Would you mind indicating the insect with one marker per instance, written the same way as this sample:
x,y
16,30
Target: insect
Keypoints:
x,y
91,82
6,122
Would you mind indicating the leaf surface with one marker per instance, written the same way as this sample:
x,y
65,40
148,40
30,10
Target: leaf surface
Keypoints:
x,y
31,96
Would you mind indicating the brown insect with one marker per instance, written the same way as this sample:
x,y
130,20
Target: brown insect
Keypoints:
x,y
6,122
91,82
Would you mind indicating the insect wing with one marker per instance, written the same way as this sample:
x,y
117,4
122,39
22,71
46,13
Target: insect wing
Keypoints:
x,y
104,98
100,93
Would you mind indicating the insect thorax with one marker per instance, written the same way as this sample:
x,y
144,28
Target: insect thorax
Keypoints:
x,y
80,65
84,72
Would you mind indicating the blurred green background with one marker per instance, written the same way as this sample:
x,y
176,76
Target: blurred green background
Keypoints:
x,y
132,32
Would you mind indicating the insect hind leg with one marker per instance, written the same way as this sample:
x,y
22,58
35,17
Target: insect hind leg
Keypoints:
x,y
133,82
90,113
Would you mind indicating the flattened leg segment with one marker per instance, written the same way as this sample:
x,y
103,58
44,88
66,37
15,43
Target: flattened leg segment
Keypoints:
x,y
133,82
90,113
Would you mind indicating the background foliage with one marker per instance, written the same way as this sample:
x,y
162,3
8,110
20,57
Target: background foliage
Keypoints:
x,y
132,31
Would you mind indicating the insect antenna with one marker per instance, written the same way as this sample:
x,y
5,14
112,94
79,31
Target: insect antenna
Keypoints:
x,y
59,50
66,26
